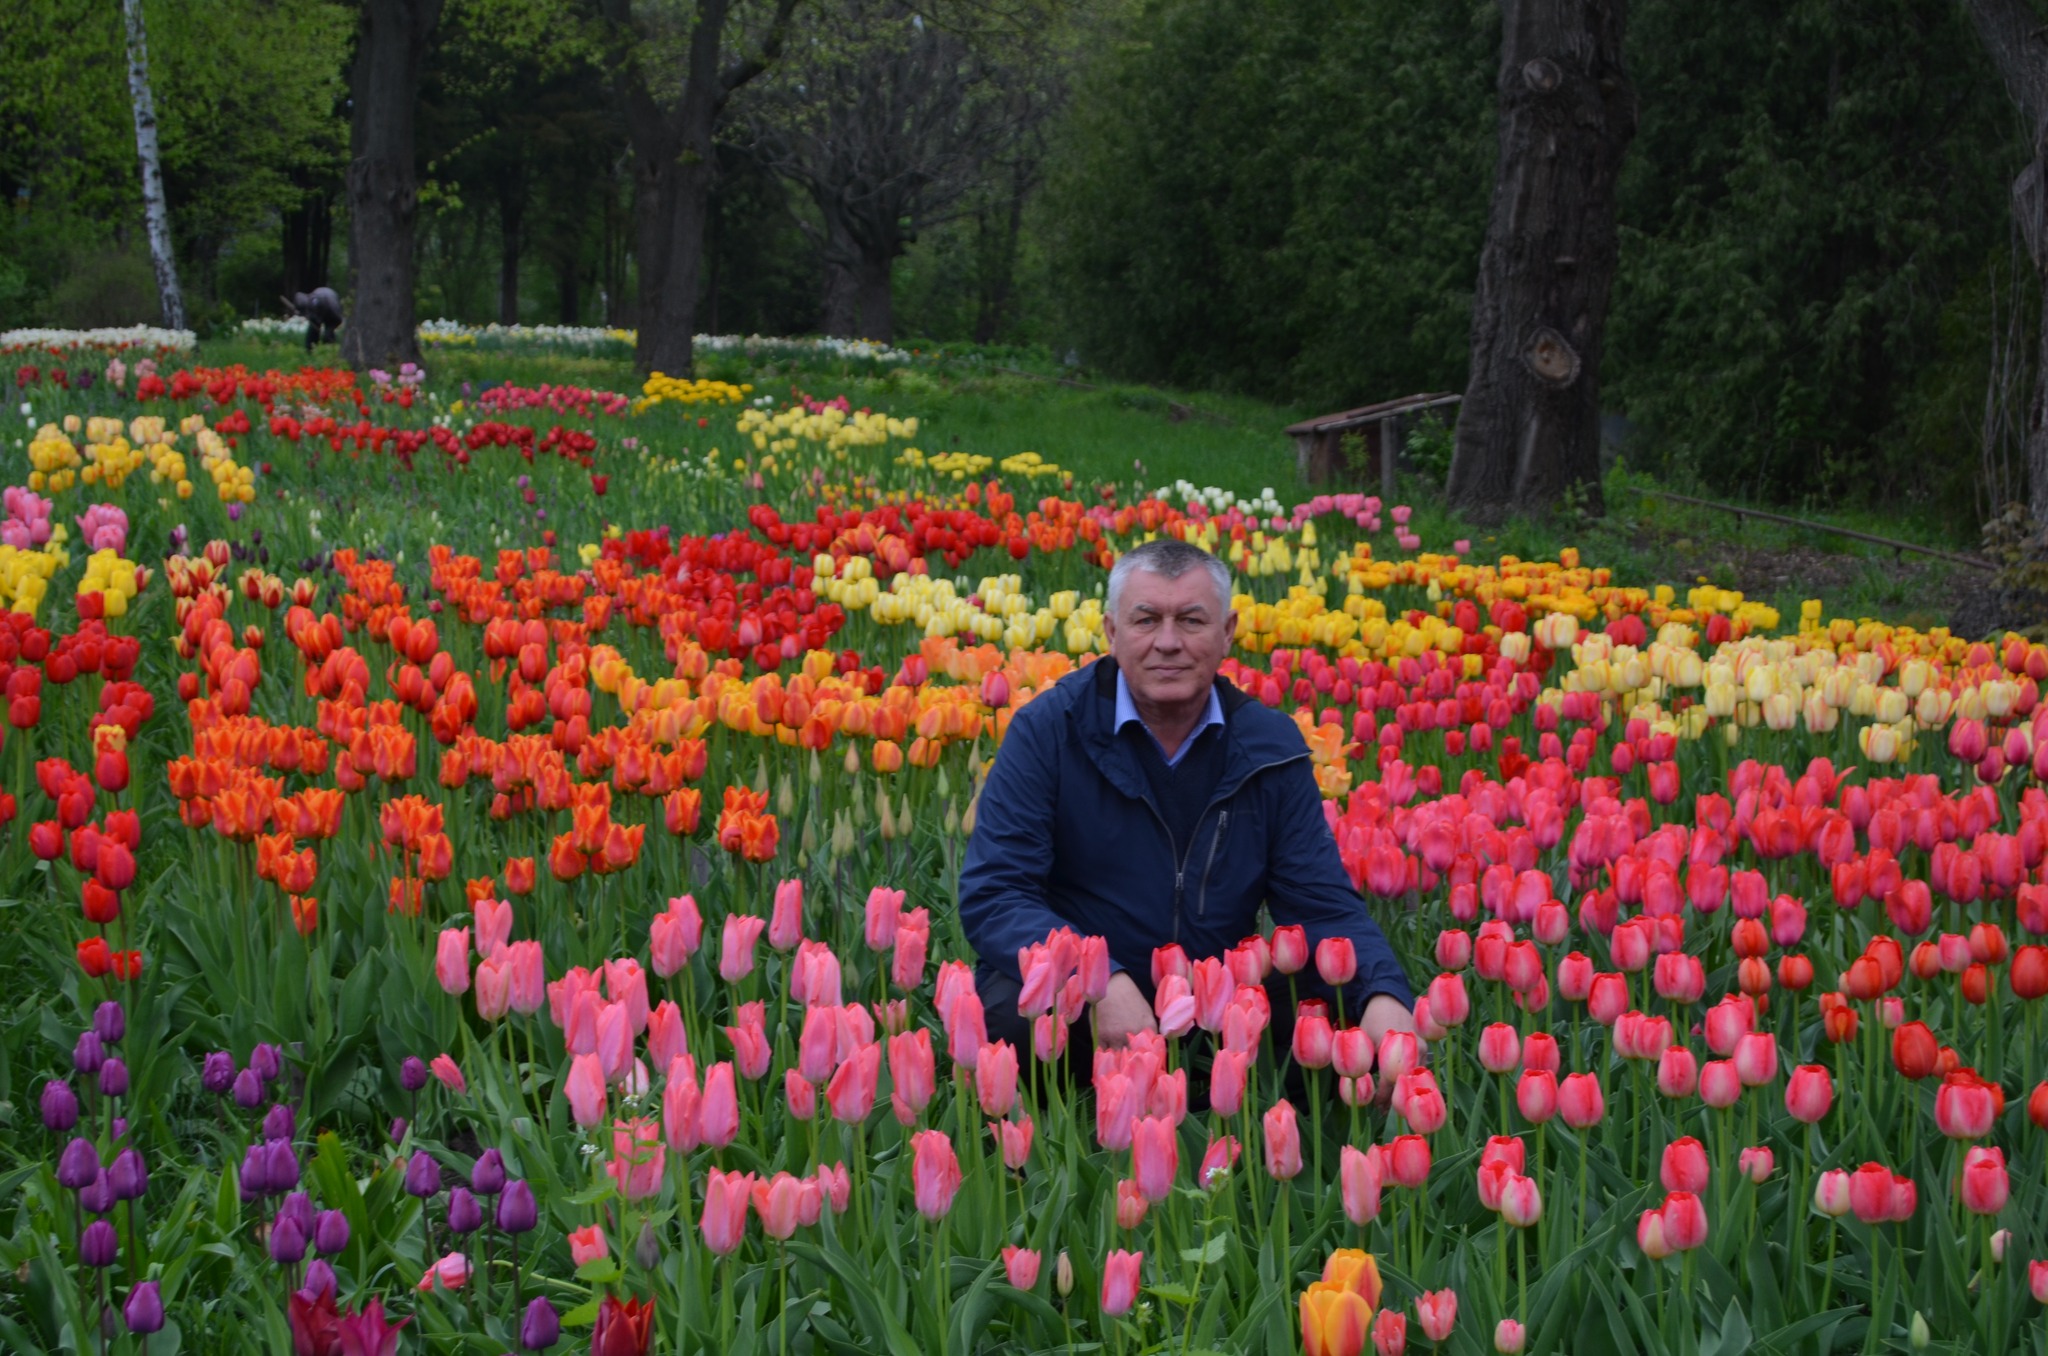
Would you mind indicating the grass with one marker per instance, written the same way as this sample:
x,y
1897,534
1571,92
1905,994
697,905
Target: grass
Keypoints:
x,y
1139,438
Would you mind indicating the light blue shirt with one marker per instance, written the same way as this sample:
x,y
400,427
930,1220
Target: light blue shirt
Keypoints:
x,y
1127,711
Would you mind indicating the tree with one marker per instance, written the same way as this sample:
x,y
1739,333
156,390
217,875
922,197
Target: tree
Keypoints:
x,y
1529,427
2012,32
674,81
383,186
889,121
155,215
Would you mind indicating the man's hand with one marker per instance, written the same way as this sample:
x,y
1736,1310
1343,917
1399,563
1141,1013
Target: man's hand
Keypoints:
x,y
1123,1011
1384,1013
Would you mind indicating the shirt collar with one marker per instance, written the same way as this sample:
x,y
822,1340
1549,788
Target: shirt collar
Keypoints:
x,y
1127,711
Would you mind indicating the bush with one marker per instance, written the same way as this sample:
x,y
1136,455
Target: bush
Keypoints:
x,y
107,287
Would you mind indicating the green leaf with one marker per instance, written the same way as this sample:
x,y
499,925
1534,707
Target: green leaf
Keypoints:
x,y
1172,1294
599,1271
874,1320
1734,1336
1209,1254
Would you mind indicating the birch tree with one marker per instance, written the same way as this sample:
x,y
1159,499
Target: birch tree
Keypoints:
x,y
156,215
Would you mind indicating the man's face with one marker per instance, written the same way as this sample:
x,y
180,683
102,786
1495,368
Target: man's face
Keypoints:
x,y
1169,636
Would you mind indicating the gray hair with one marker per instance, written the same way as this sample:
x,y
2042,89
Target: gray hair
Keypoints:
x,y
1169,558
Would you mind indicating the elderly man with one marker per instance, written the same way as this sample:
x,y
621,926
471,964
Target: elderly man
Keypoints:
x,y
1144,800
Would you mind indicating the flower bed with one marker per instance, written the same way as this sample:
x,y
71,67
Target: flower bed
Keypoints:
x,y
486,868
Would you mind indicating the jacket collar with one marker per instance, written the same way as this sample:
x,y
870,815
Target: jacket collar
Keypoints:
x,y
1254,743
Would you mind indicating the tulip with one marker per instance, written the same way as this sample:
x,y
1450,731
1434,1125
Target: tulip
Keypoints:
x,y
1579,1101
736,946
1685,1221
98,1245
1678,1072
1336,961
1965,1107
585,1088
1650,1239
448,1273
850,1094
1985,1184
1536,1095
995,1077
1437,1312
2037,1281
1756,1059
1870,1193
540,1327
422,1175
1335,1320
1358,1180
1755,1164
786,920
638,1157
368,1333
1390,1332
1500,1048
1684,1165
913,1070
217,1074
464,1214
1720,1084
934,1173
1120,1281
1155,1156
778,1202
59,1106
1227,1079
1013,1139
718,1109
1420,1102
1809,1093
587,1245
1020,1267
1283,1141
1914,1050
624,1327
330,1232
144,1311
451,960
1131,1205
1508,1337
1290,949
1831,1193
1521,1201
1406,1161
517,1212
449,1073
287,1241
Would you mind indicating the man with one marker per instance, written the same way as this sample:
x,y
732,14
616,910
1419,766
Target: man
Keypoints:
x,y
1144,800
322,311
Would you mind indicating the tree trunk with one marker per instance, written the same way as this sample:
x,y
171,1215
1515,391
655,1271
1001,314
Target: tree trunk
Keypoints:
x,y
841,311
670,204
511,212
1529,427
156,214
877,299
383,191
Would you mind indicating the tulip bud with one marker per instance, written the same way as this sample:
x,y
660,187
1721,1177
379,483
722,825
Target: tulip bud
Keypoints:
x,y
1063,1275
1917,1333
267,1060
78,1166
647,1247
287,1241
128,1177
279,1122
487,1178
114,1077
99,1245
517,1211
248,1087
217,1074
422,1174
109,1022
89,1053
144,1311
413,1073
330,1232
59,1106
464,1214
540,1327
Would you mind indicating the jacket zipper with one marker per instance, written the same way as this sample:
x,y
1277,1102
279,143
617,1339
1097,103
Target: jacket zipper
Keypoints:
x,y
1222,823
1180,871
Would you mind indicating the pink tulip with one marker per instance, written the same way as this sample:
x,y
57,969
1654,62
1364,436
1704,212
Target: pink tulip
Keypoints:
x,y
1214,987
451,961
2037,1275
680,1112
587,1245
851,1093
1756,1059
914,1072
1449,1003
1684,1166
1336,961
726,1198
1831,1193
1437,1312
913,943
671,940
1359,1183
1685,1221
1536,1095
493,989
1678,1072
1500,1048
666,1036
1508,1337
449,1273
801,1094
737,940
1521,1202
1227,1082
934,1173
445,1069
884,911
966,1027
1131,1205
585,1087
1756,1164
493,926
778,1202
1580,1102
1406,1161
1120,1273
614,1041
718,1109
1020,1267
1155,1156
751,1053
1728,1021
1720,1084
1313,1039
1420,1102
1283,1141
1173,1006
1013,1138
995,1078
1390,1332
1351,1052
1985,1185
786,918
1218,1161
637,1157
1809,1092
837,1185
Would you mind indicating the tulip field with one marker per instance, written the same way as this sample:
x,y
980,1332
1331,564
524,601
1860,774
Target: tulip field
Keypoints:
x,y
481,867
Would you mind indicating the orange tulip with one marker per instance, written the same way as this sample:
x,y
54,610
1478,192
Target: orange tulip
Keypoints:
x,y
1355,1269
1335,1320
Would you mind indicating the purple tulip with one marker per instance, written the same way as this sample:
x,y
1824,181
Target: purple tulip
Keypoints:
x,y
487,1178
60,1106
114,1077
89,1053
465,1216
120,1128
78,1166
279,1122
281,1166
145,1309
541,1328
422,1174
255,1175
97,1196
412,1075
110,1022
299,1206
99,1244
330,1232
268,1061
319,1281
398,1129
287,1241
129,1175
248,1089
217,1075
517,1211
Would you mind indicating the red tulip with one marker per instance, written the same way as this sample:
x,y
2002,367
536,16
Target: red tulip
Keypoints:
x,y
1419,1101
1336,961
1685,1221
1870,1193
1290,949
1406,1161
1678,1072
1964,1107
1313,1039
1756,1059
1684,1166
1500,1048
1020,1267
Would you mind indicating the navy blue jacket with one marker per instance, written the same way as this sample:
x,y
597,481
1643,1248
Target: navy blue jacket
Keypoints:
x,y
1067,832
